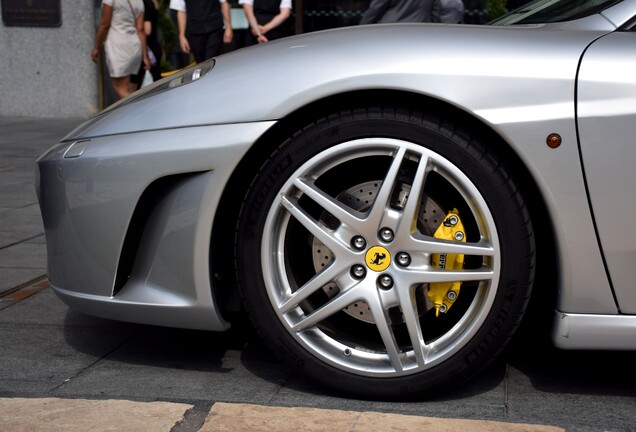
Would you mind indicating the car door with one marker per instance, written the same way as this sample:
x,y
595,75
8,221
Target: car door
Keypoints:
x,y
606,110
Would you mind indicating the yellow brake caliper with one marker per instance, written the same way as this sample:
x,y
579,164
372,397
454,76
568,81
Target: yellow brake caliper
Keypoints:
x,y
444,294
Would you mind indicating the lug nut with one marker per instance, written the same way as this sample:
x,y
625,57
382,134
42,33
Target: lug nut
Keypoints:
x,y
386,234
347,352
459,236
358,271
403,259
359,242
385,281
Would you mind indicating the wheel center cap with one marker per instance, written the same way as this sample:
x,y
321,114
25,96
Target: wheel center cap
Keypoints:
x,y
378,258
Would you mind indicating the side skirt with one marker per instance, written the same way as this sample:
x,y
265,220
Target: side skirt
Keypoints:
x,y
594,332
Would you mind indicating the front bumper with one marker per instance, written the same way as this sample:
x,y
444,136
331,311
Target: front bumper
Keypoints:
x,y
104,258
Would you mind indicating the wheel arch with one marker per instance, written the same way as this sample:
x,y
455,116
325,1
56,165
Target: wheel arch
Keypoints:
x,y
222,254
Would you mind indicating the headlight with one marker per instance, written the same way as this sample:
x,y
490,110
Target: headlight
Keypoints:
x,y
175,80
187,75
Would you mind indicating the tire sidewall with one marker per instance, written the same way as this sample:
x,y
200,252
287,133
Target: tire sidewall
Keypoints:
x,y
477,164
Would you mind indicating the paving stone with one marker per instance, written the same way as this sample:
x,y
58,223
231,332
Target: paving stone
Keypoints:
x,y
255,418
572,400
22,141
482,397
178,370
80,415
9,238
24,256
13,277
25,219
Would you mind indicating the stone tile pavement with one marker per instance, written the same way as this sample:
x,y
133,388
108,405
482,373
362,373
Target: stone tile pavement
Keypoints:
x,y
22,247
79,415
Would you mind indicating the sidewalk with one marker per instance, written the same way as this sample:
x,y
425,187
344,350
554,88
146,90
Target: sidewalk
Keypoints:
x,y
78,415
22,247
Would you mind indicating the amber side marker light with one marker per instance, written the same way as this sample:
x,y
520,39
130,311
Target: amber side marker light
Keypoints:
x,y
553,140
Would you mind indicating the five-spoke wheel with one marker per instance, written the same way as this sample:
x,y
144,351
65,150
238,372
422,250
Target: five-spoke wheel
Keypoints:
x,y
385,256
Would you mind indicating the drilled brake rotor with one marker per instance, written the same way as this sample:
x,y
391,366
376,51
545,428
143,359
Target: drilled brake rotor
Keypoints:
x,y
360,198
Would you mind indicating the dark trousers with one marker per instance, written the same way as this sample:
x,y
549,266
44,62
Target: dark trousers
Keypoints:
x,y
206,45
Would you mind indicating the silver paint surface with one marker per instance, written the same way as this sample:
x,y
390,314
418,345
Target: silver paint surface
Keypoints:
x,y
520,81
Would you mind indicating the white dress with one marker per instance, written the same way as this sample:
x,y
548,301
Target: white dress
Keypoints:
x,y
122,46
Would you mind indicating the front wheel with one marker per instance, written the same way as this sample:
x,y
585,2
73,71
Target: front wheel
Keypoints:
x,y
385,254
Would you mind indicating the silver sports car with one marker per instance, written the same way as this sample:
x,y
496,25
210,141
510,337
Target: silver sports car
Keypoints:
x,y
380,200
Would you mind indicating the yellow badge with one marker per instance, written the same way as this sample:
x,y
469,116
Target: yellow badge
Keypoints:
x,y
378,258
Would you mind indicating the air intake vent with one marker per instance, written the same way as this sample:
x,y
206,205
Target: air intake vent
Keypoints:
x,y
145,207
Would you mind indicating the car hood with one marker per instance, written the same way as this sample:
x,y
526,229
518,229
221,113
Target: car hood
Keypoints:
x,y
449,62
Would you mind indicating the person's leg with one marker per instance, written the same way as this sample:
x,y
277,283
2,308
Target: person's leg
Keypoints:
x,y
250,39
121,85
133,87
137,79
214,44
197,46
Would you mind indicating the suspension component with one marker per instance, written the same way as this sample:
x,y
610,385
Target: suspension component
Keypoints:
x,y
444,294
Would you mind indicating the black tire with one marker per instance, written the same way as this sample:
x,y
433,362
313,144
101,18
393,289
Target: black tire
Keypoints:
x,y
391,341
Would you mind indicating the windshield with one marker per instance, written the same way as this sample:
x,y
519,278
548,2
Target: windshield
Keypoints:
x,y
551,11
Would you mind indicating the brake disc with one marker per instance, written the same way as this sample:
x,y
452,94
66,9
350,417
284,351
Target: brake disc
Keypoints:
x,y
360,198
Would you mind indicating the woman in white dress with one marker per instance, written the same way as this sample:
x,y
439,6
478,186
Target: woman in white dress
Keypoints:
x,y
121,30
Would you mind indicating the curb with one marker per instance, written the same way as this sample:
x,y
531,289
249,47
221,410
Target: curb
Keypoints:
x,y
79,415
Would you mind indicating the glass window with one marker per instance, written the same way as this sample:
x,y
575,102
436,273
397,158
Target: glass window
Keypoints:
x,y
550,11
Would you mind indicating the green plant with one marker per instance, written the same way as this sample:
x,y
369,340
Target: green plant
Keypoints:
x,y
496,8
167,32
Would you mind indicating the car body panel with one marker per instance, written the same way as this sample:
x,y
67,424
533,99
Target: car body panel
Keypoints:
x,y
607,121
432,60
594,332
524,96
520,81
87,205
